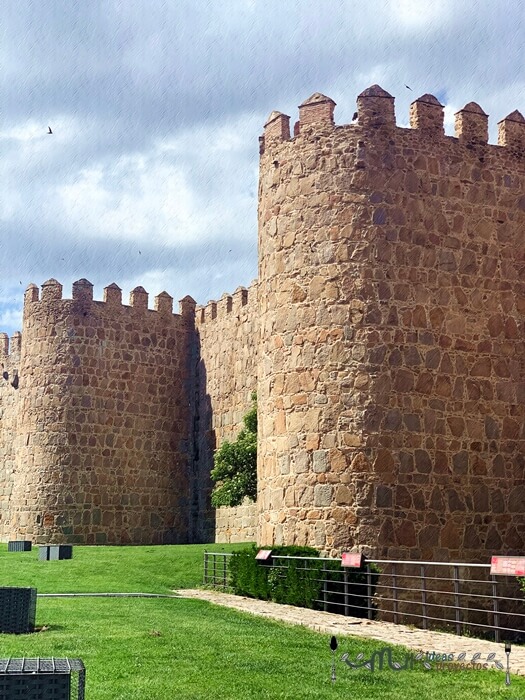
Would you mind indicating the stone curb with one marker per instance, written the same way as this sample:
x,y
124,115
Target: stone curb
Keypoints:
x,y
106,595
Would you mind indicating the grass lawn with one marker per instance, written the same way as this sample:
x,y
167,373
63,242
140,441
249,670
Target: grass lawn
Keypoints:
x,y
162,649
109,569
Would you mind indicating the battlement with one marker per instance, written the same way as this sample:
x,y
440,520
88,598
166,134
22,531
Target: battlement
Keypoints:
x,y
10,346
228,304
82,293
375,111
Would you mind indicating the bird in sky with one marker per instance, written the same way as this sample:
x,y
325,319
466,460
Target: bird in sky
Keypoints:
x,y
49,130
408,87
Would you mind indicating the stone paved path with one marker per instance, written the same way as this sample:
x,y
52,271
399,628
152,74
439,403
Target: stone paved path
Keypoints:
x,y
338,625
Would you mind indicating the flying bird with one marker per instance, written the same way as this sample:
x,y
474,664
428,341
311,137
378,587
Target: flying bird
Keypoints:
x,y
49,130
408,87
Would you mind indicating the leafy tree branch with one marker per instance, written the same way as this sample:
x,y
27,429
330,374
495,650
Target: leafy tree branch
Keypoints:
x,y
235,465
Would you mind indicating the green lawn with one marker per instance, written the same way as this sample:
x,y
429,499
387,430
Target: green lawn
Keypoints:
x,y
110,569
162,649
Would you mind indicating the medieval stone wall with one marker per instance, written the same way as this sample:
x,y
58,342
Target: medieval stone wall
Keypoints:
x,y
392,305
102,442
228,339
385,338
236,524
10,362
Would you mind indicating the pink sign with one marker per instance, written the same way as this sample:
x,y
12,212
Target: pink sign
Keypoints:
x,y
263,554
354,559
508,566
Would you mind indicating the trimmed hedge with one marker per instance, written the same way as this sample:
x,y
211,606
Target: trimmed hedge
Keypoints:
x,y
254,579
300,582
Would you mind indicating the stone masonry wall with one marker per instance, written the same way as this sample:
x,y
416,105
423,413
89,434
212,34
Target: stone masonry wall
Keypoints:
x,y
228,338
102,448
236,524
10,362
392,307
385,337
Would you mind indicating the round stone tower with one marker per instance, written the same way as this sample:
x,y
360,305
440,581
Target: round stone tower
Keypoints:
x,y
391,359
102,451
313,384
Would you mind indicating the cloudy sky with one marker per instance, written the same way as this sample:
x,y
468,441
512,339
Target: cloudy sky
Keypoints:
x,y
150,175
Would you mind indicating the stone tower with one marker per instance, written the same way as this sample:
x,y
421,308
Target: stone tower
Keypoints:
x,y
392,356
102,422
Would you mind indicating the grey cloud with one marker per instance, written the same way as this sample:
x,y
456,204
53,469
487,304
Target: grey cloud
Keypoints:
x,y
128,78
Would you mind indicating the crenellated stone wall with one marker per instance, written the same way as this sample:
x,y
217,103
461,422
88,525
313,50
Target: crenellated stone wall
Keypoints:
x,y
392,308
228,338
385,337
9,381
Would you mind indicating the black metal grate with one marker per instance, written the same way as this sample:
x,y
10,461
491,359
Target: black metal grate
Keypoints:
x,y
39,679
19,546
17,610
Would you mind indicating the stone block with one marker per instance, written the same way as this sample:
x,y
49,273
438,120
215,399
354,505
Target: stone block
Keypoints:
x,y
320,461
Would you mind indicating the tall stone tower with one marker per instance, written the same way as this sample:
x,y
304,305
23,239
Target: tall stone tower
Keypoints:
x,y
392,305
102,446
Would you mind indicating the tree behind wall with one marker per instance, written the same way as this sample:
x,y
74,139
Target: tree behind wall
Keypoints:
x,y
235,465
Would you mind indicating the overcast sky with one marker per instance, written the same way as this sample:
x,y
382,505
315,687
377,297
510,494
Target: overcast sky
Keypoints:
x,y
150,175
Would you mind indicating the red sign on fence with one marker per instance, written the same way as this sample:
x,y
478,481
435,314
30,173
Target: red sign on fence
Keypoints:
x,y
263,554
508,566
354,559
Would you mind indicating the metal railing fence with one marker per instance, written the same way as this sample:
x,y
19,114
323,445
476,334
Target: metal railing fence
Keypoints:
x,y
452,596
216,569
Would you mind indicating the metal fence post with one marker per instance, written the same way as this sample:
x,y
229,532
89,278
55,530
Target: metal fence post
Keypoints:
x,y
205,567
345,584
394,591
325,589
456,600
424,597
496,607
369,590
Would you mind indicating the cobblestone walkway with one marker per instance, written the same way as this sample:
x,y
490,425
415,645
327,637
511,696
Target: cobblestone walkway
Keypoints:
x,y
388,632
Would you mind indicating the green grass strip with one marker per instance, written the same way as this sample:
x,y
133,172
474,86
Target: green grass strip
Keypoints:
x,y
164,648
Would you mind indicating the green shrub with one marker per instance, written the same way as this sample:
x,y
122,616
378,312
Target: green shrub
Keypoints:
x,y
247,577
256,579
235,465
300,582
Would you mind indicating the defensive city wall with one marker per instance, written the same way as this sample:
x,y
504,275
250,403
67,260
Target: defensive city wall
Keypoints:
x,y
228,336
385,336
